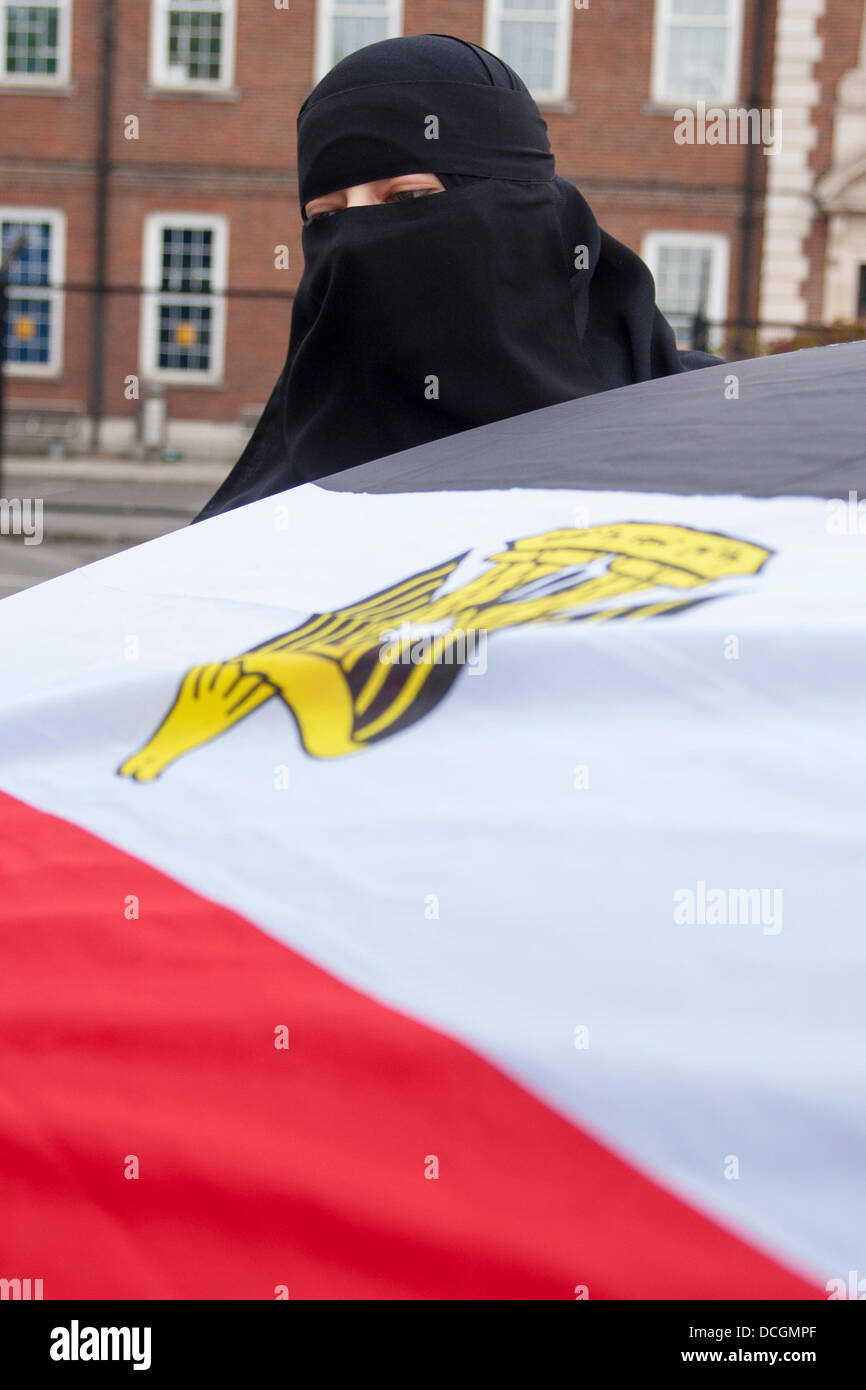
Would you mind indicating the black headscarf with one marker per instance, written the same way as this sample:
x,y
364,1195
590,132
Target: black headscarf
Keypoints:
x,y
418,319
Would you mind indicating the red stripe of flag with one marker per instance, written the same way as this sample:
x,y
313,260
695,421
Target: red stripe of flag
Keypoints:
x,y
262,1167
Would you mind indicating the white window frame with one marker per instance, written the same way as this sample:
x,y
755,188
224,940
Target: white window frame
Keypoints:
x,y
719,246
495,13
64,48
52,292
664,95
328,10
163,76
152,296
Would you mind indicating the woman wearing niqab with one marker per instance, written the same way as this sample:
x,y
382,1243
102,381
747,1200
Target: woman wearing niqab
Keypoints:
x,y
424,316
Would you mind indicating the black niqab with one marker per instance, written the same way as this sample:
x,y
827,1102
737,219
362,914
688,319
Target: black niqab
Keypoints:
x,y
415,320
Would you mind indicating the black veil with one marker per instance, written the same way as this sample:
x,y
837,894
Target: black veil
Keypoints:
x,y
416,320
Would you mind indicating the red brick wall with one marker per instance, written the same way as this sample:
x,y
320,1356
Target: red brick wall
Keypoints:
x,y
622,153
47,145
236,157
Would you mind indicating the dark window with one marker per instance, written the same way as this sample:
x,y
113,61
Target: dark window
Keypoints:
x,y
30,314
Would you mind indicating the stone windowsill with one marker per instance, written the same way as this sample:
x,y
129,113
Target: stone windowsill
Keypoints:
x,y
38,89
175,383
669,108
181,93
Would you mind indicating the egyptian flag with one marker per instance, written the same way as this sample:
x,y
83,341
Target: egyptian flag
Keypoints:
x,y
447,881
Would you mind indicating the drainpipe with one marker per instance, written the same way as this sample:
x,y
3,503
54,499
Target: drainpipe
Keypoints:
x,y
750,190
100,270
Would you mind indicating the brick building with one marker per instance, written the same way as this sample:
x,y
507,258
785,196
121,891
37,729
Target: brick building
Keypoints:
x,y
151,143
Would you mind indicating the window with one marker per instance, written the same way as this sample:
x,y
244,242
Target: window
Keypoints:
x,y
34,317
183,308
34,42
691,272
861,294
342,26
534,37
696,52
192,44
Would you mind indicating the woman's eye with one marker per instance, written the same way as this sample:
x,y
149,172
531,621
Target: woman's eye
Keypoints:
x,y
403,195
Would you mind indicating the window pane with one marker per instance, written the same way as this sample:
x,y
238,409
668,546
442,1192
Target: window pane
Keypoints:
x,y
530,48
185,336
195,43
33,266
28,322
185,330
713,8
681,278
28,330
696,61
549,5
352,32
187,260
32,39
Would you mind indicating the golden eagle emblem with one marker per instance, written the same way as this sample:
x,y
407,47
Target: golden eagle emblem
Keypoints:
x,y
345,676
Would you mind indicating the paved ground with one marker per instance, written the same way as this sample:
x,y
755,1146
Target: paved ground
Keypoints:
x,y
95,507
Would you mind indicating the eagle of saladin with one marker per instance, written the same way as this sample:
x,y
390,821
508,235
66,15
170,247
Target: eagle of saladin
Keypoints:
x,y
345,695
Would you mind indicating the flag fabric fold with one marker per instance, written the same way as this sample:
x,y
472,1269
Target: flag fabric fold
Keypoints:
x,y
439,893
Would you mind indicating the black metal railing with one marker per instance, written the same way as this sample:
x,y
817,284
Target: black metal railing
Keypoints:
x,y
731,339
